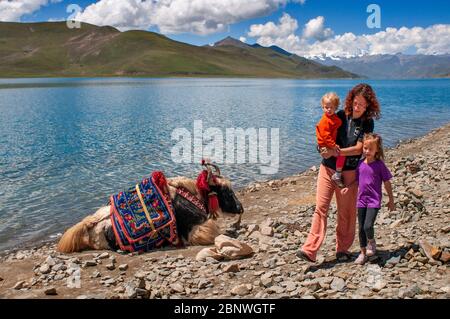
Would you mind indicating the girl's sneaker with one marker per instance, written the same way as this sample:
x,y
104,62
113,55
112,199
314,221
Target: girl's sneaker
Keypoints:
x,y
371,248
361,260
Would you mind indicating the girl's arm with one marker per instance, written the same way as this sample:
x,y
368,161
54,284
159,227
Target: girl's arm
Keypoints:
x,y
345,189
388,187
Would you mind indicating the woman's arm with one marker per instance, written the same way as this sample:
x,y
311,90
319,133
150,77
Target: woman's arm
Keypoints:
x,y
352,150
329,153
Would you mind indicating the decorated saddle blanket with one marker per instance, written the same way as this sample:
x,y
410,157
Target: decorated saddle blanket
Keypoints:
x,y
142,218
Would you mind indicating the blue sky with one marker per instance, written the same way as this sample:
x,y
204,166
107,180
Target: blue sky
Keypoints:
x,y
339,16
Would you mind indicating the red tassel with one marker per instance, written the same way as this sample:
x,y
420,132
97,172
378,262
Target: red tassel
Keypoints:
x,y
213,203
202,182
203,187
160,180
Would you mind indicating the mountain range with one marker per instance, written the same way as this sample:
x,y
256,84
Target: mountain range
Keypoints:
x,y
398,66
50,49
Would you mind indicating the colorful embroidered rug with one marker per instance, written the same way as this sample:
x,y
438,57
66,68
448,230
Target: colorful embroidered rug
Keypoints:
x,y
142,219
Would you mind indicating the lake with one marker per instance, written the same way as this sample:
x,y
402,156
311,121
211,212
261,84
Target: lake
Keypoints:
x,y
66,145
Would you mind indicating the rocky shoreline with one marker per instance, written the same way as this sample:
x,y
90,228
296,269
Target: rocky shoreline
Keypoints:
x,y
412,261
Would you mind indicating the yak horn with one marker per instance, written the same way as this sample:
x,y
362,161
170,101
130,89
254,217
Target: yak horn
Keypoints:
x,y
217,169
206,163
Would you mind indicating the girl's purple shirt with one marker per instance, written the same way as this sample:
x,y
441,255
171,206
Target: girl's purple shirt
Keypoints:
x,y
370,178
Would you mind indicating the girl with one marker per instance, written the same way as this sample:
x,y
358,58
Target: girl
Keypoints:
x,y
370,173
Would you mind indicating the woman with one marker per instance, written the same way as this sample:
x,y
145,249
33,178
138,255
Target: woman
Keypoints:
x,y
361,107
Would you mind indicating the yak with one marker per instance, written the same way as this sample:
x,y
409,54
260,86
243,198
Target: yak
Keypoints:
x,y
195,226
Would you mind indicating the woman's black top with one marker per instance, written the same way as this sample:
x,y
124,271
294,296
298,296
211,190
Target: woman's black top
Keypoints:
x,y
349,133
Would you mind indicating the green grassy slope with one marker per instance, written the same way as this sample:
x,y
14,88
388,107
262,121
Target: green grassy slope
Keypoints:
x,y
52,49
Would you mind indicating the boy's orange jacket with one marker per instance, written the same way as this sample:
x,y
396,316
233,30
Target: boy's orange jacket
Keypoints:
x,y
326,130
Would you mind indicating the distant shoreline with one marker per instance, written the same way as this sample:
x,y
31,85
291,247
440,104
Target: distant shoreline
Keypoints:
x,y
200,76
211,77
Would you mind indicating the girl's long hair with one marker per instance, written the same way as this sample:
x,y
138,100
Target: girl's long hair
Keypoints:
x,y
372,137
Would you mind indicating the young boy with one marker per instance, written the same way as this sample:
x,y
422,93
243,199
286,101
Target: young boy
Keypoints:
x,y
326,132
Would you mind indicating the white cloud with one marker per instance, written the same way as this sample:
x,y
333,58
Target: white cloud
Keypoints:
x,y
286,27
315,29
13,10
243,39
178,16
281,34
317,41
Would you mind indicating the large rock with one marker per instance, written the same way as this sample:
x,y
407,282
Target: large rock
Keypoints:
x,y
226,248
206,253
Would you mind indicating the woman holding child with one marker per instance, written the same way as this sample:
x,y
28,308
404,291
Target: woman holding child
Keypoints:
x,y
348,127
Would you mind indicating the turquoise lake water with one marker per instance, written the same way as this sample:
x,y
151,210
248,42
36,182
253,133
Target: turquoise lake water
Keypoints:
x,y
67,144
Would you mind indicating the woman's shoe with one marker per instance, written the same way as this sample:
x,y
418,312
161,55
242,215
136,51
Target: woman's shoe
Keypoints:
x,y
361,260
371,248
343,256
302,255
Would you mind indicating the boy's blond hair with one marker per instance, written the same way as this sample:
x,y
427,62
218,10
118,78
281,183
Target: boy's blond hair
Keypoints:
x,y
331,97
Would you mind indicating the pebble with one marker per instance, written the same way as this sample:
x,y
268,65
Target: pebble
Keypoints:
x,y
50,291
203,283
241,290
110,266
177,288
267,231
379,285
44,269
130,291
19,285
90,263
338,284
234,267
123,267
409,292
103,255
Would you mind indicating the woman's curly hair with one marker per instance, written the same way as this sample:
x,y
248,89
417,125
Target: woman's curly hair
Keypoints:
x,y
373,107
